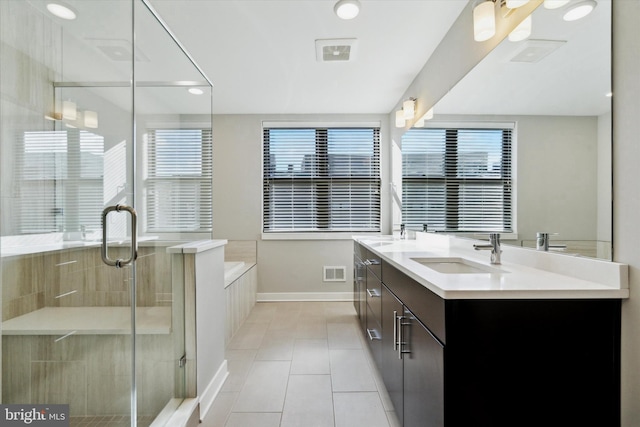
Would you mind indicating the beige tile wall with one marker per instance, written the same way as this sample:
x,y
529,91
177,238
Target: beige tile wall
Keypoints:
x,y
31,282
89,372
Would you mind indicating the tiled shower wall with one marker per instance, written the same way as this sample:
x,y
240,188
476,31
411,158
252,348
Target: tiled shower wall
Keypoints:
x,y
89,372
79,278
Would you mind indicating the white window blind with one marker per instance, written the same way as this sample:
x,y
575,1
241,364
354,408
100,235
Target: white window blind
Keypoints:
x,y
457,179
321,179
60,185
179,182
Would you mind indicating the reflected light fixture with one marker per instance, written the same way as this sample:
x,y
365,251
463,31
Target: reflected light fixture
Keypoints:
x,y
427,116
347,9
91,119
400,122
69,111
512,4
409,108
522,31
579,10
62,10
195,91
484,21
554,4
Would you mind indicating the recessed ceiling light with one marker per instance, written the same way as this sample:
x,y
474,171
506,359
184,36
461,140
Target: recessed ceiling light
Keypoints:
x,y
195,91
579,10
347,9
61,11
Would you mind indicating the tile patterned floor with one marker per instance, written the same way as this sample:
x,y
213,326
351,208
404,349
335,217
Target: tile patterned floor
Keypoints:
x,y
108,421
301,364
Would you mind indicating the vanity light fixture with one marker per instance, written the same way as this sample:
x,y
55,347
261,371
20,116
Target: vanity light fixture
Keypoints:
x,y
409,108
400,122
69,111
347,9
554,4
579,10
195,91
91,119
427,116
62,10
522,31
512,4
484,21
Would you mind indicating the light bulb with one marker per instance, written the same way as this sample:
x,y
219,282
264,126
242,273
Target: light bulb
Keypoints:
x,y
512,4
484,21
400,119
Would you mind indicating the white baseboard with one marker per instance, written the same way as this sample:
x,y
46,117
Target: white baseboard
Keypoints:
x,y
209,394
176,413
304,296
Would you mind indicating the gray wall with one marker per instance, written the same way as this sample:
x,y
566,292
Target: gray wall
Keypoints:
x,y
626,191
284,265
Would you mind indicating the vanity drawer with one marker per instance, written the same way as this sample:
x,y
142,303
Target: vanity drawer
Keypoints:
x,y
373,292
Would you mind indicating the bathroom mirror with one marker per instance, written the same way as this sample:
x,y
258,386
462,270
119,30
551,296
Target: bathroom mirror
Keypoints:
x,y
555,87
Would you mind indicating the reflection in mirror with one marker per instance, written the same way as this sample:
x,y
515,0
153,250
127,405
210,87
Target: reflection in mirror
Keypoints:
x,y
554,88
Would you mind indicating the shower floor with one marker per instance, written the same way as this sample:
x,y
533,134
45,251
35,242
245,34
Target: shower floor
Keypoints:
x,y
109,421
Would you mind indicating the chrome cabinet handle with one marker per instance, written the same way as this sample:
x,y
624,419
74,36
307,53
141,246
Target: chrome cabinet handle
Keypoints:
x,y
399,348
373,293
118,263
373,334
395,330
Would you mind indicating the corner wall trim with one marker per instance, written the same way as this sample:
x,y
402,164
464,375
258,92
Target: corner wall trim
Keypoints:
x,y
304,296
209,394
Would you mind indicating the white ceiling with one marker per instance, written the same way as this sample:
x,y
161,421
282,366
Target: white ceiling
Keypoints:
x,y
572,80
260,54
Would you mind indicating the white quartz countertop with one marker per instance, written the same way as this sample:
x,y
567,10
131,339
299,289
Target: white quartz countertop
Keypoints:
x,y
89,320
521,275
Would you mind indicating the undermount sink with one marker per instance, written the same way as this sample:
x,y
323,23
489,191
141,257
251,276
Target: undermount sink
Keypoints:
x,y
457,266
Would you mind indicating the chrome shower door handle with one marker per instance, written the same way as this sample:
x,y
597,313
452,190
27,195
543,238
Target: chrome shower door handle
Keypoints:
x,y
118,263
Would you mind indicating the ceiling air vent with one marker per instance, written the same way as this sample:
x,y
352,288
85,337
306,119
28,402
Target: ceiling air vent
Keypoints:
x,y
335,50
534,50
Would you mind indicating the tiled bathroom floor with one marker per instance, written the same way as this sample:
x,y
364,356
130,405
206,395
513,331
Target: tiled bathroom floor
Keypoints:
x,y
301,364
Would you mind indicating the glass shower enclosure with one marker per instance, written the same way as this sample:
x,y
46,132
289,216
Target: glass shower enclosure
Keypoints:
x,y
105,161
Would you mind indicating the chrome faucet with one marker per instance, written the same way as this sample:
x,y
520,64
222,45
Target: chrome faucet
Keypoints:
x,y
542,242
403,232
494,246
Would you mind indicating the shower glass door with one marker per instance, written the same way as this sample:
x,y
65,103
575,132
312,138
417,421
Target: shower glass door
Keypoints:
x,y
97,128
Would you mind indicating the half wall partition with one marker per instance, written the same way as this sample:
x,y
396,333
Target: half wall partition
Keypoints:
x,y
105,137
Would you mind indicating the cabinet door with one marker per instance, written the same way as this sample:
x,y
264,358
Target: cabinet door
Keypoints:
x,y
391,367
423,357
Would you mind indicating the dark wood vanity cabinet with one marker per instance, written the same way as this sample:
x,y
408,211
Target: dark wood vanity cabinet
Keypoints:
x,y
369,301
497,362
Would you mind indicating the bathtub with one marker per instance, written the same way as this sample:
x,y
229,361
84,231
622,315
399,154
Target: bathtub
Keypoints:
x,y
233,270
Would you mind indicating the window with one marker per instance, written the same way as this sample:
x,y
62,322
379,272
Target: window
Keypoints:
x,y
321,179
457,179
61,181
179,181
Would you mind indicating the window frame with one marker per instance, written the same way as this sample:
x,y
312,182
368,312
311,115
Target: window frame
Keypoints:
x,y
322,233
508,179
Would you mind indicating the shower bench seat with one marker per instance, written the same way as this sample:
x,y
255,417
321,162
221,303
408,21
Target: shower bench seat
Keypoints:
x,y
90,321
